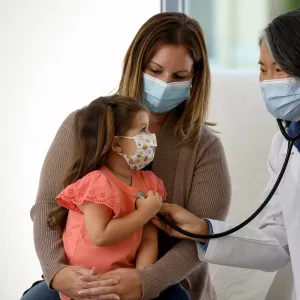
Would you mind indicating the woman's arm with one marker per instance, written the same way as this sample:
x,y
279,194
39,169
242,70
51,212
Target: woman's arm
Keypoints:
x,y
210,193
270,240
103,230
148,250
48,241
250,248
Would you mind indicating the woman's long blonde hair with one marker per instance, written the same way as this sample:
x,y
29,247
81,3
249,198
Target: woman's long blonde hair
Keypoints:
x,y
171,29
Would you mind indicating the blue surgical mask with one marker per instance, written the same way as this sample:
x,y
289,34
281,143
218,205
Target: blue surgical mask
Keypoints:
x,y
161,97
282,98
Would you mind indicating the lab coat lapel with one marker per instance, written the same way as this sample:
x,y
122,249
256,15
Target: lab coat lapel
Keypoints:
x,y
291,211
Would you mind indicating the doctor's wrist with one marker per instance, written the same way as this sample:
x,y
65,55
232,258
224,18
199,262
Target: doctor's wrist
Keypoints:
x,y
202,227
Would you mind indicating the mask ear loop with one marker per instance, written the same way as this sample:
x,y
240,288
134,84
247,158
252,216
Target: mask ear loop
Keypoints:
x,y
126,137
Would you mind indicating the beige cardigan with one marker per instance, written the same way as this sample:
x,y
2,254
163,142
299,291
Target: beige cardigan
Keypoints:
x,y
195,176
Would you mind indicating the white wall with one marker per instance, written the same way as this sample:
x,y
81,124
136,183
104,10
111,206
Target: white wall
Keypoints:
x,y
55,56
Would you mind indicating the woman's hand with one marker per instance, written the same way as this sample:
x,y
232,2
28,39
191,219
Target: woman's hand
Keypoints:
x,y
68,282
183,219
128,288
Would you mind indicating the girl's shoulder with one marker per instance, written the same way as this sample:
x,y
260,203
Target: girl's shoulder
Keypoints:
x,y
95,179
93,187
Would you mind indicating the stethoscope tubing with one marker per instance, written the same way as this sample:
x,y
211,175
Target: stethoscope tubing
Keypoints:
x,y
291,141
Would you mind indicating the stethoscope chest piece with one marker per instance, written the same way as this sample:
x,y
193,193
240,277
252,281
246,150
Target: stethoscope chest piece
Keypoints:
x,y
141,195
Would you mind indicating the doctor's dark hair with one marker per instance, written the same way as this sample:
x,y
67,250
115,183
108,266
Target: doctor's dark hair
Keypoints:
x,y
177,29
95,127
282,38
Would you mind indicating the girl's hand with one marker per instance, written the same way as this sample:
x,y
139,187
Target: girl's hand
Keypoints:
x,y
151,205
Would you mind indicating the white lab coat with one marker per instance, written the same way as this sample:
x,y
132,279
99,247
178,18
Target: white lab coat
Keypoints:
x,y
277,241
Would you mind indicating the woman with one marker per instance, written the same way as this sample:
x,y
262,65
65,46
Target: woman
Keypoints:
x,y
276,242
166,67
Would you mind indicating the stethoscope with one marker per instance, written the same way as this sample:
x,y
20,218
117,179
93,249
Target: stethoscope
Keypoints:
x,y
291,141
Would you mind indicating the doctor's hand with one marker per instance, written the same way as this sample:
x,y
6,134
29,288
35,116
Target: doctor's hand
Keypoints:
x,y
183,219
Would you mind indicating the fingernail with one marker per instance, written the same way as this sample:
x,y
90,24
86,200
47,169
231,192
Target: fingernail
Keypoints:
x,y
116,298
115,282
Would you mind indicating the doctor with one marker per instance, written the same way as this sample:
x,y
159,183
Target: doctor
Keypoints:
x,y
277,240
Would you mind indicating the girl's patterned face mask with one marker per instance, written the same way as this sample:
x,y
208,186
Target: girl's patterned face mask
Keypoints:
x,y
145,150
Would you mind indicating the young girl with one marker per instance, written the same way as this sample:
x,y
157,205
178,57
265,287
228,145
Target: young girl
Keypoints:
x,y
106,227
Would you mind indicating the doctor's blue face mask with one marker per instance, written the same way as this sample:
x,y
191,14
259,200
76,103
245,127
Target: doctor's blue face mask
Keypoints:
x,y
161,97
282,98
